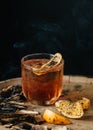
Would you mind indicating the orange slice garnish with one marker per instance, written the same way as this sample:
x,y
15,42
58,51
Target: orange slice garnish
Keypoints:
x,y
54,61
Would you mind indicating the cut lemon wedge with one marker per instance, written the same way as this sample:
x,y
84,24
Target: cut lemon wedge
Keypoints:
x,y
54,61
54,118
69,109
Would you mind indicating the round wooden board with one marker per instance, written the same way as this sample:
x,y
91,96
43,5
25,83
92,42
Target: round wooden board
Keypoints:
x,y
74,87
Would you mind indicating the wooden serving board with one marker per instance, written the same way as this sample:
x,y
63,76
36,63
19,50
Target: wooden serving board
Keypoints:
x,y
74,87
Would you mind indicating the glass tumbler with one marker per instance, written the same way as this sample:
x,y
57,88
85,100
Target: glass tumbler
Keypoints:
x,y
41,81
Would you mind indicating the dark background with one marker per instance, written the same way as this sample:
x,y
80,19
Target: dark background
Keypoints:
x,y
31,26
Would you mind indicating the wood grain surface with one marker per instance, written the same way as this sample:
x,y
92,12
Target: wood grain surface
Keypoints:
x,y
74,87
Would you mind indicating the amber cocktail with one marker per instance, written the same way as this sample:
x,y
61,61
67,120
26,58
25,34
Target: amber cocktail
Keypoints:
x,y
42,78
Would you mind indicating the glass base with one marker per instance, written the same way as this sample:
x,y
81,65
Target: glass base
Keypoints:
x,y
44,103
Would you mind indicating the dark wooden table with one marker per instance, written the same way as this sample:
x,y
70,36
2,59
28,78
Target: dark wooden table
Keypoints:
x,y
75,88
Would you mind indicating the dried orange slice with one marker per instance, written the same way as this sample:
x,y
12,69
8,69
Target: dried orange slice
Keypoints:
x,y
85,102
69,109
54,118
54,61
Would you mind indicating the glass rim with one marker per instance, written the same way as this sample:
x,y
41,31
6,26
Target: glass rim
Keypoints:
x,y
38,54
